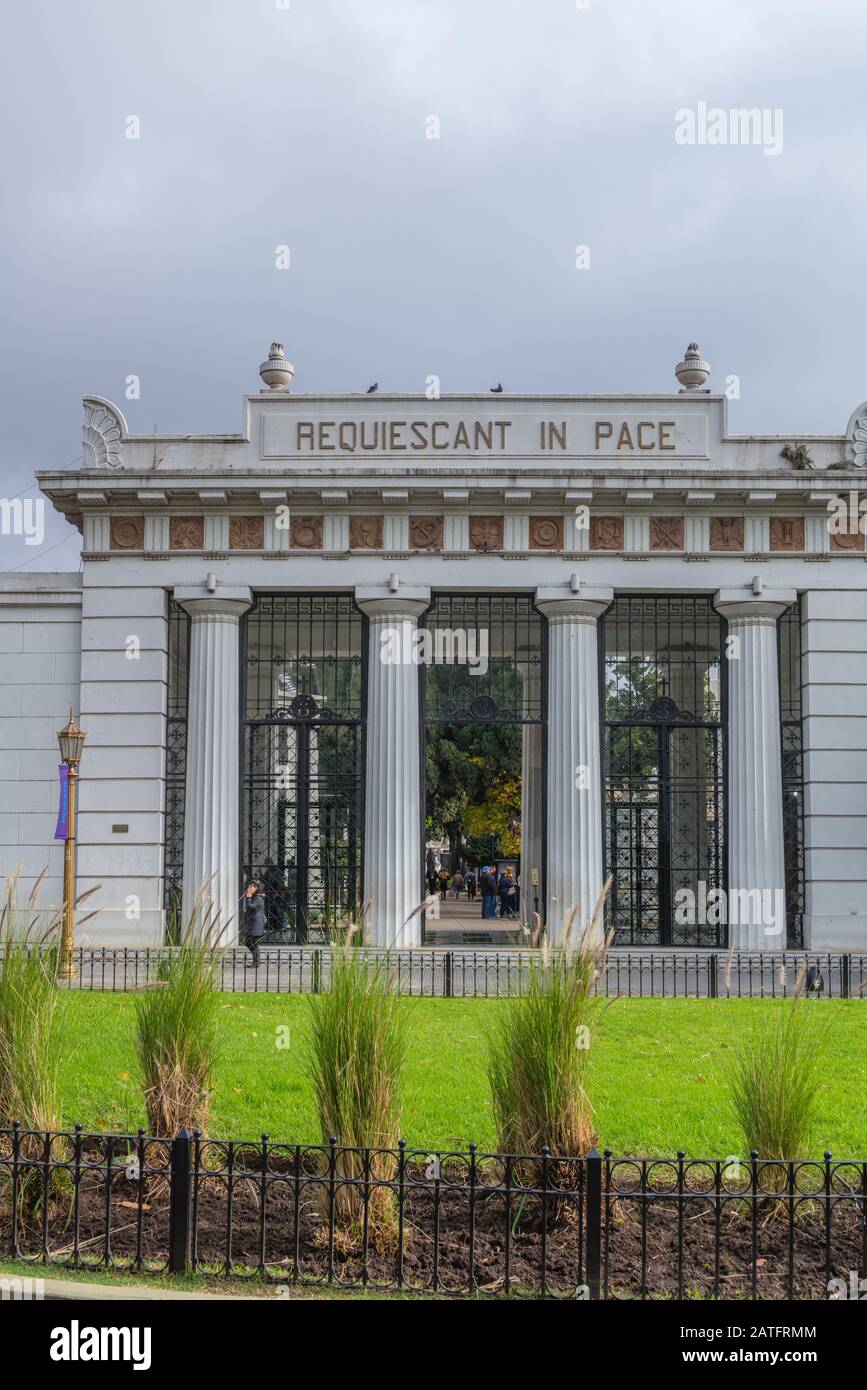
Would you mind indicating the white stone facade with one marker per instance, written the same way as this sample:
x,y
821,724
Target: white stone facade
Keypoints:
x,y
383,498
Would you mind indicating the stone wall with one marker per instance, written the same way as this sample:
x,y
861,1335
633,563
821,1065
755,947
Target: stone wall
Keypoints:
x,y
40,645
834,637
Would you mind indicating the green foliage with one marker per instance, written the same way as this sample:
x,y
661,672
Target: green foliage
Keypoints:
x,y
670,1094
357,1044
473,783
177,1037
357,1050
798,455
539,1050
773,1083
33,1020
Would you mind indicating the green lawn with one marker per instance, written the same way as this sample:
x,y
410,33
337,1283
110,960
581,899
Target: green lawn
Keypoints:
x,y
657,1072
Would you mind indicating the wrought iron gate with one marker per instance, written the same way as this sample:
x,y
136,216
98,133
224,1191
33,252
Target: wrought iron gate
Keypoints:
x,y
302,778
664,760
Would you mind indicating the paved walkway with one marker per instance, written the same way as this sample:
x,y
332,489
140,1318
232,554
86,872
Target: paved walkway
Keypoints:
x,y
461,923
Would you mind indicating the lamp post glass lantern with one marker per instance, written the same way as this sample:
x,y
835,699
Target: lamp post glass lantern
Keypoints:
x,y
71,741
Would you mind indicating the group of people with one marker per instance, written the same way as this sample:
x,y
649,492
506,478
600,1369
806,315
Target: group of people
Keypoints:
x,y
493,888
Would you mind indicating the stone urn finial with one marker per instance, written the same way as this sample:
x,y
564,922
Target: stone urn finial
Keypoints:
x,y
693,371
276,372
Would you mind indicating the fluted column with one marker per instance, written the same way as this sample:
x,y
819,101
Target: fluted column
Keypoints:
x,y
212,798
574,782
757,877
393,800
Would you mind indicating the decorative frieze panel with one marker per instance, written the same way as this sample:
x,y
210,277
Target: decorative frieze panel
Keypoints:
x,y
546,533
365,532
306,532
187,533
486,533
246,533
755,534
426,532
606,533
846,540
127,533
666,533
726,533
787,533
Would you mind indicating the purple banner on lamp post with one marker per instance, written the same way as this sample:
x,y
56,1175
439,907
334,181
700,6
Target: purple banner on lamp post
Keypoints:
x,y
62,828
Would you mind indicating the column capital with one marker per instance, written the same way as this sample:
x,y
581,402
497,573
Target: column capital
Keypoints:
x,y
380,601
741,603
227,602
559,601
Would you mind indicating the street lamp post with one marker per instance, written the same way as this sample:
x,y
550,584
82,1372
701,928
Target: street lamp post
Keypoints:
x,y
71,740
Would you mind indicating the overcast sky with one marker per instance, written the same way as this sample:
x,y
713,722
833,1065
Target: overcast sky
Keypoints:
x,y
264,124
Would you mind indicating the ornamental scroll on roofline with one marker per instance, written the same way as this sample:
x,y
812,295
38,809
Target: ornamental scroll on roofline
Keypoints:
x,y
104,430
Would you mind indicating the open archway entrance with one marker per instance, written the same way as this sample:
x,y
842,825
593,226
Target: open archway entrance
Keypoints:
x,y
483,719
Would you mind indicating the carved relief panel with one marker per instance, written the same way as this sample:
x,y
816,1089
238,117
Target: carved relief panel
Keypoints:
x,y
486,532
365,532
606,533
426,532
127,533
306,532
186,533
246,533
787,532
666,533
726,533
546,533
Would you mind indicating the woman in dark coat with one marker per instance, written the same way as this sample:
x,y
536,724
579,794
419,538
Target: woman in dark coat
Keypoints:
x,y
254,921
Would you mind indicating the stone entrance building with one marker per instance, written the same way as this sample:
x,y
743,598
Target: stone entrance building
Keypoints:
x,y
265,624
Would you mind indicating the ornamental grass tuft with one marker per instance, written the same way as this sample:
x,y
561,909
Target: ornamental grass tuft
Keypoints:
x,y
774,1081
33,1019
177,1032
539,1047
357,1045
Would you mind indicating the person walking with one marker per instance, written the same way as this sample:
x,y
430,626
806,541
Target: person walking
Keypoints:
x,y
254,921
457,885
470,885
444,883
432,881
488,885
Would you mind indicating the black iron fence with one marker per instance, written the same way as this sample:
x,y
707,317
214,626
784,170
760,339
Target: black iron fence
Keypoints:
x,y
495,973
434,1222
